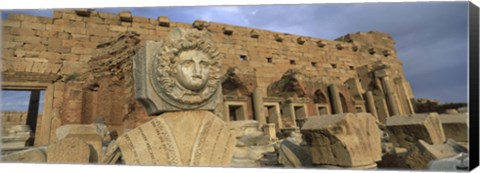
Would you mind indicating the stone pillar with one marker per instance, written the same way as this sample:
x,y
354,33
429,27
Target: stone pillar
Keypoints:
x,y
335,99
390,94
371,104
258,107
33,110
404,95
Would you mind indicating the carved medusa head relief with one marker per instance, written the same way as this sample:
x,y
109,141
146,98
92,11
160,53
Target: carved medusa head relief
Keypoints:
x,y
186,68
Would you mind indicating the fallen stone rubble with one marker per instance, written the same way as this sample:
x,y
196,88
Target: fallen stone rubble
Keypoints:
x,y
341,141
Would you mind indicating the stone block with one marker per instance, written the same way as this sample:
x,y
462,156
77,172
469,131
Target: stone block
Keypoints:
x,y
35,47
455,126
33,155
11,44
53,27
126,16
69,150
72,16
102,32
75,30
22,53
163,21
116,28
279,37
106,15
82,50
348,140
227,30
11,23
269,130
38,67
420,154
94,19
404,131
28,39
200,24
83,12
292,155
45,33
301,40
188,138
33,25
49,55
22,32
90,134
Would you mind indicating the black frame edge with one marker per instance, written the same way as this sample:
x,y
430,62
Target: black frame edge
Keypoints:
x,y
474,85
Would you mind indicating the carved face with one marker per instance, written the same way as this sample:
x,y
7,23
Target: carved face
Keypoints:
x,y
192,69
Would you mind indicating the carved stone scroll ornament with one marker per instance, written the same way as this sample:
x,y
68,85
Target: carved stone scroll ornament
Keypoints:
x,y
181,73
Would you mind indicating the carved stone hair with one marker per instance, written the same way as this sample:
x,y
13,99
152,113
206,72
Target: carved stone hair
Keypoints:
x,y
177,41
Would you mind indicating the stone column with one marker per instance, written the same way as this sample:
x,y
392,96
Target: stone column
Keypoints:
x,y
258,107
33,110
390,94
371,104
335,99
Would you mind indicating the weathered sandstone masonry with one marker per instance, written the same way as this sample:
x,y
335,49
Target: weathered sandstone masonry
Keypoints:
x,y
82,59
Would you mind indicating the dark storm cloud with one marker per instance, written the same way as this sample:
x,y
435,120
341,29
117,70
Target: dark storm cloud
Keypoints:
x,y
431,37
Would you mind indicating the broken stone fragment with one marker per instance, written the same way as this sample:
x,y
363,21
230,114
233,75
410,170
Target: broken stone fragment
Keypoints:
x,y
339,46
126,16
279,37
69,150
455,126
422,153
191,138
200,24
292,155
254,34
301,40
348,140
228,30
91,134
405,131
33,155
321,43
84,12
386,53
163,21
112,153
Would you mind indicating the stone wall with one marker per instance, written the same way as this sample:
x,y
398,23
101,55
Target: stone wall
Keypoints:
x,y
78,57
10,119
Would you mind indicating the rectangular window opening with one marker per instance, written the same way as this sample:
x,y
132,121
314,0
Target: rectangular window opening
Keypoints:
x,y
334,65
235,112
358,109
300,115
271,113
314,64
269,59
293,62
322,110
243,58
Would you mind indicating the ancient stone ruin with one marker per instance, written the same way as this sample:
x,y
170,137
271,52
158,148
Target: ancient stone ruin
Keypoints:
x,y
123,89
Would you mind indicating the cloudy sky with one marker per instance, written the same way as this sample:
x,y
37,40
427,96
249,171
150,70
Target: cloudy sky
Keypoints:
x,y
431,37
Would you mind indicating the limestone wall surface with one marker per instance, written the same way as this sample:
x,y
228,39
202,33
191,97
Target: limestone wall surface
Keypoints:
x,y
62,53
